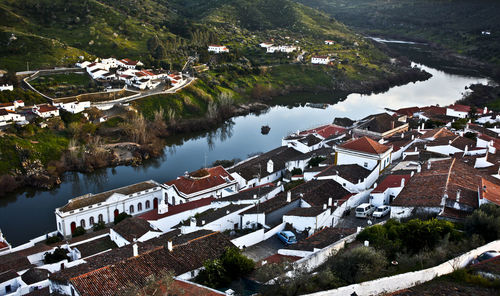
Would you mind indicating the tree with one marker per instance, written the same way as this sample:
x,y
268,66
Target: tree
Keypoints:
x,y
485,221
59,254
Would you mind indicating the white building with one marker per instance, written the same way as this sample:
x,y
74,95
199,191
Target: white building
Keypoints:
x,y
83,64
320,60
6,87
388,189
462,111
89,209
218,49
265,44
112,62
329,42
74,106
210,182
45,110
128,63
364,152
281,48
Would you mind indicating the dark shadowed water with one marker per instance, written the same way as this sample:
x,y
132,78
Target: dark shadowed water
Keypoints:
x,y
31,213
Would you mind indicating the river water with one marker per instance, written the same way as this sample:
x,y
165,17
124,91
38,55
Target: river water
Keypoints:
x,y
28,214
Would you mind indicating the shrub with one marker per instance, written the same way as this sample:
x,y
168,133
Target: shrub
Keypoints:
x,y
296,171
230,266
120,217
79,231
52,240
59,254
359,264
99,226
485,222
315,161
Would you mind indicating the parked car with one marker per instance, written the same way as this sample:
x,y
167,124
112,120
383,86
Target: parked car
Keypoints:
x,y
485,256
364,210
381,211
287,237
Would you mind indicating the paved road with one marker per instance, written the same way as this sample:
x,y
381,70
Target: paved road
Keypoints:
x,y
351,221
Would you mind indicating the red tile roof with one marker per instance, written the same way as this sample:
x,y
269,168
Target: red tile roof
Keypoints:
x,y
208,178
325,131
128,62
172,210
278,258
3,245
407,111
438,133
435,110
492,191
366,145
391,181
180,287
46,108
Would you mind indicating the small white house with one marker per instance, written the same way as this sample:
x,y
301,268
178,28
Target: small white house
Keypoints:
x,y
6,87
218,49
265,45
364,152
74,106
320,60
329,42
388,189
45,110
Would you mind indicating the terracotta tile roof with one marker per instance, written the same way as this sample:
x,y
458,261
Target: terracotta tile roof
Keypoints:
x,y
3,245
180,287
46,108
437,133
453,214
172,210
116,278
407,111
4,105
435,110
15,262
380,123
391,181
366,145
41,292
491,192
251,168
128,62
351,172
426,189
306,212
91,199
322,238
343,121
200,180
8,275
133,227
491,265
310,140
3,112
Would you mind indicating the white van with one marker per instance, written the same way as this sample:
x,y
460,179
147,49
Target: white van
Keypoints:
x,y
364,210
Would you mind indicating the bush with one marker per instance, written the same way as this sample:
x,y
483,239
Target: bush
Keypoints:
x,y
485,222
230,266
315,161
358,265
79,231
99,226
120,217
296,171
59,254
52,240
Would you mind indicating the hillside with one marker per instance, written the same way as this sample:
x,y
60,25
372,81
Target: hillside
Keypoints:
x,y
455,24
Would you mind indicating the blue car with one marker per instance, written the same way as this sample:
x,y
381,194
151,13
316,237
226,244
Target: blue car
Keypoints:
x,y
287,237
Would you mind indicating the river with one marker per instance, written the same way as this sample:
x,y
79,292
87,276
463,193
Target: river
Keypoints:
x,y
28,214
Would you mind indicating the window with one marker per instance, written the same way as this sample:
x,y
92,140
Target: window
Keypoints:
x,y
91,221
131,209
82,223
365,164
148,204
139,207
100,218
59,225
8,289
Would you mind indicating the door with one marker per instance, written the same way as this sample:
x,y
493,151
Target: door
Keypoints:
x,y
155,203
73,227
116,213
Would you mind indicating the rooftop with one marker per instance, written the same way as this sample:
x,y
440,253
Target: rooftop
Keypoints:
x,y
172,210
438,133
391,181
351,172
306,212
133,228
91,199
212,215
201,180
365,145
380,123
117,278
325,131
248,194
322,239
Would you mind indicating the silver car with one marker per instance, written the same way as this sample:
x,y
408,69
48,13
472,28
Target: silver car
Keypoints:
x,y
381,211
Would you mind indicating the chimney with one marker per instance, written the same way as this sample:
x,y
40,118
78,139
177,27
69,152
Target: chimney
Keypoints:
x,y
255,196
288,196
170,246
227,212
458,195
330,201
413,137
336,203
484,188
192,222
392,124
449,142
375,185
270,166
418,129
466,149
402,135
403,182
485,110
428,165
419,169
62,266
202,222
135,248
324,206
415,149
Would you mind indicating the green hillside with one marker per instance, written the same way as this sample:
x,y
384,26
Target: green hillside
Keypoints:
x,y
455,24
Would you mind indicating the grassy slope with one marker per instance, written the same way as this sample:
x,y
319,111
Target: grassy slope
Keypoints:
x,y
456,24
